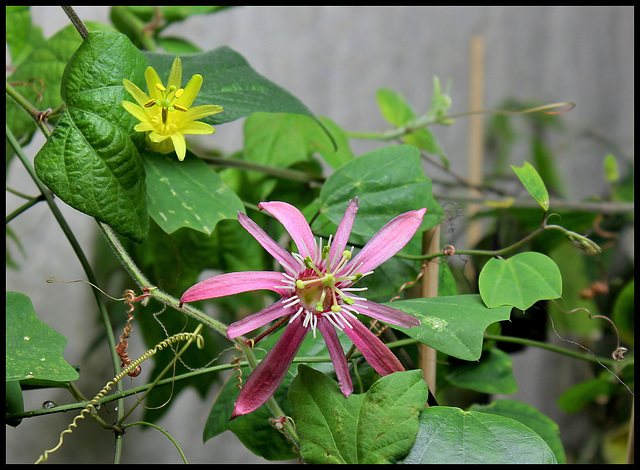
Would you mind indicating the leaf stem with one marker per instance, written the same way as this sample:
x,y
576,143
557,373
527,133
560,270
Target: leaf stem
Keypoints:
x,y
28,108
76,21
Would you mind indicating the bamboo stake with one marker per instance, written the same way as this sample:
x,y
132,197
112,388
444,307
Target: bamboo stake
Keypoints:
x,y
429,288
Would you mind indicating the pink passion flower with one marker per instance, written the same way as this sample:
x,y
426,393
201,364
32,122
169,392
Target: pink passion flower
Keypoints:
x,y
317,294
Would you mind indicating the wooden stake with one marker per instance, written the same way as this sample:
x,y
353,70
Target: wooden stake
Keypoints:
x,y
429,287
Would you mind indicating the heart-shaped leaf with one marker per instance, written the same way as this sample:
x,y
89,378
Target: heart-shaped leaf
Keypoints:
x,y
34,350
187,194
376,427
453,436
387,182
90,161
453,325
530,417
520,281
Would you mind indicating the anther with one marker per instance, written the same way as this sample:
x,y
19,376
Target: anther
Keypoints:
x,y
150,103
165,112
160,87
179,92
180,107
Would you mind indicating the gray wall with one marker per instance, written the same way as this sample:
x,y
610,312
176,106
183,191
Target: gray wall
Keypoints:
x,y
334,59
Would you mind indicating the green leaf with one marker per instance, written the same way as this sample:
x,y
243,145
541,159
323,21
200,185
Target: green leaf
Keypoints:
x,y
394,107
520,281
533,183
526,414
376,427
492,374
14,403
453,436
388,182
187,194
22,37
624,312
90,161
611,171
453,325
34,350
577,397
230,82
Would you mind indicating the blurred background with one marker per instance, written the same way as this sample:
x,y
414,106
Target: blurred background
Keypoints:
x,y
334,59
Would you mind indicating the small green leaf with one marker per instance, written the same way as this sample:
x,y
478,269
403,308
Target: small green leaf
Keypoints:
x,y
453,325
530,417
533,183
376,427
90,161
492,374
577,397
22,37
187,194
520,281
14,403
453,436
394,107
388,182
611,171
34,351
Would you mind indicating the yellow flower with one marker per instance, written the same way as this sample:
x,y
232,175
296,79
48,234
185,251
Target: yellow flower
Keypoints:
x,y
165,114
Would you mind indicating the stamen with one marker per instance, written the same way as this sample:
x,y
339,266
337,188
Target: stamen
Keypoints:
x,y
160,87
165,112
180,108
150,103
179,93
296,314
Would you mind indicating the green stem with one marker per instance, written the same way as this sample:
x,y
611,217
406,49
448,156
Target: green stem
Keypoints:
x,y
160,375
284,173
31,202
156,293
28,108
144,423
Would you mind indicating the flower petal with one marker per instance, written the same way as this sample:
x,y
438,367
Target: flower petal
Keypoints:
x,y
281,255
197,127
344,231
374,351
388,314
190,91
234,283
179,144
337,355
175,75
140,96
152,78
199,112
267,377
388,241
258,319
295,223
136,111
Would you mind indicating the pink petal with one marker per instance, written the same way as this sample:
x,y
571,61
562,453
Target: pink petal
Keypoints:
x,y
234,283
344,231
388,241
281,255
374,351
256,320
295,223
337,355
267,377
388,314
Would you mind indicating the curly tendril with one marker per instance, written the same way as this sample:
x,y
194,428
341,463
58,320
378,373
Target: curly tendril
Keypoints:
x,y
91,407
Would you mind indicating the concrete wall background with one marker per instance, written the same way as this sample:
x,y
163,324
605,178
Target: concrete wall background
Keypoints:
x,y
334,59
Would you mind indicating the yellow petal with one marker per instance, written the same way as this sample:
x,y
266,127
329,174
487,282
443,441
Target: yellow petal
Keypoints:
x,y
157,138
152,79
198,112
136,111
190,91
180,145
197,127
175,76
143,127
140,96
166,146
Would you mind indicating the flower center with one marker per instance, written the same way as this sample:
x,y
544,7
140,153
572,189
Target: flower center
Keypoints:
x,y
166,103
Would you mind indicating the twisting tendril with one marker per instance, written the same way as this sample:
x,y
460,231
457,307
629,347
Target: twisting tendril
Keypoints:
x,y
94,403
